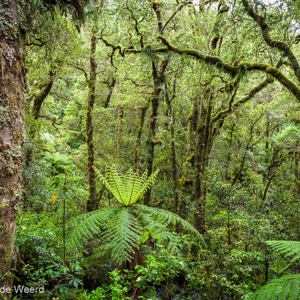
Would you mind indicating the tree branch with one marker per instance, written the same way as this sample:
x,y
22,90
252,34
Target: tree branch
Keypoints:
x,y
233,70
179,8
222,114
136,25
282,46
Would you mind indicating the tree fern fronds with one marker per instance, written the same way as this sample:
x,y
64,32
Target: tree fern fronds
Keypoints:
x,y
89,225
112,181
168,218
147,183
124,235
286,248
128,188
285,287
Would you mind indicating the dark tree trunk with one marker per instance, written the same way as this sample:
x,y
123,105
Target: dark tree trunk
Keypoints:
x,y
119,129
111,86
203,148
158,71
92,203
39,99
12,108
137,154
176,206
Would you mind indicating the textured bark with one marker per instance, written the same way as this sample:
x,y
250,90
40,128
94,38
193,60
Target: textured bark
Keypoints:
x,y
203,148
176,207
158,71
12,108
92,203
137,154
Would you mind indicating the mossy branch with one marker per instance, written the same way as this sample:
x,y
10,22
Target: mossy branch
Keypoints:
x,y
233,70
280,45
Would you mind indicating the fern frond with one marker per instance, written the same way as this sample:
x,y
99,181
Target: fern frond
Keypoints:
x,y
117,228
112,181
168,218
287,249
89,225
123,236
285,287
128,188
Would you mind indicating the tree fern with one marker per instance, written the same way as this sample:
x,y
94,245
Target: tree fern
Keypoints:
x,y
288,249
127,188
167,217
121,231
123,235
283,288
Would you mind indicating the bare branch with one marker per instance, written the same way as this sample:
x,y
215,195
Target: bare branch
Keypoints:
x,y
80,68
136,25
179,8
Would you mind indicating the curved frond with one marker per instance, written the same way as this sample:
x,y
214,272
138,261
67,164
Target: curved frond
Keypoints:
x,y
118,229
166,217
286,248
86,226
285,287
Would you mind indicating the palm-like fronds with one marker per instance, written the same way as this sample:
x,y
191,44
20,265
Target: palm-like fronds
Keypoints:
x,y
127,188
123,235
89,225
122,230
285,287
288,249
162,216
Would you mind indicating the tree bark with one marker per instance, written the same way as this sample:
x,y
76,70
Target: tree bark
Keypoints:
x,y
203,148
176,207
137,154
92,203
158,71
12,109
39,99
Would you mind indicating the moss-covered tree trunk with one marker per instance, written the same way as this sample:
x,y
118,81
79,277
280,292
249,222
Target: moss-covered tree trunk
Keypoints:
x,y
158,71
176,206
39,99
203,148
138,144
12,108
92,201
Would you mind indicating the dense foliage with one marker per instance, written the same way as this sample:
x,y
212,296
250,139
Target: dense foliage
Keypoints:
x,y
206,92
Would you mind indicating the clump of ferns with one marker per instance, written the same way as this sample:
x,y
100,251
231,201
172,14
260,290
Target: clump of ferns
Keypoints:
x,y
122,230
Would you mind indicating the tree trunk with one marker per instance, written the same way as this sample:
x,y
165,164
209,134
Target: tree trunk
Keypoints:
x,y
158,71
176,206
12,109
92,203
203,147
137,154
39,99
